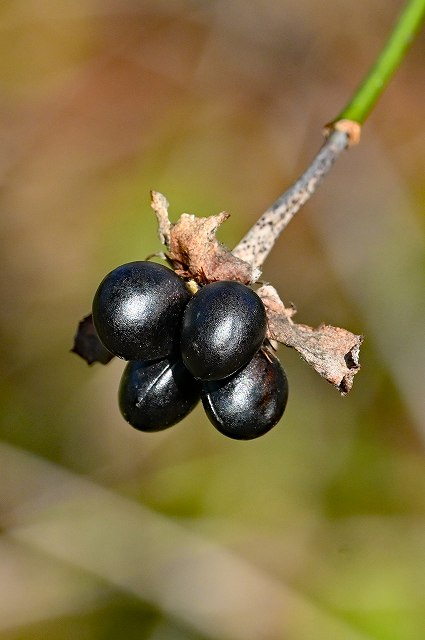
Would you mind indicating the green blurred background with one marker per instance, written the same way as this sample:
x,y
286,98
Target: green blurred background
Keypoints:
x,y
317,530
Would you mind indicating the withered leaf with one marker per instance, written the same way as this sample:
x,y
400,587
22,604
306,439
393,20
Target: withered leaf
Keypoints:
x,y
160,204
333,352
194,249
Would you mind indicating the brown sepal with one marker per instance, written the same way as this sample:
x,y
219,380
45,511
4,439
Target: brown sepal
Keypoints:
x,y
331,351
87,344
195,251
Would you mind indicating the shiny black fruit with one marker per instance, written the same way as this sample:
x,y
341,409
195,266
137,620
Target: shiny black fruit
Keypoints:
x,y
223,326
250,402
137,310
156,395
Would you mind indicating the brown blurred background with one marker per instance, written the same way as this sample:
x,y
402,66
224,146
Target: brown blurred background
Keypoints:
x,y
317,530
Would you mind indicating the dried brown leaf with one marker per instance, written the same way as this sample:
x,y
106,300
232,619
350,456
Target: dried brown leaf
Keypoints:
x,y
194,249
160,204
193,244
333,352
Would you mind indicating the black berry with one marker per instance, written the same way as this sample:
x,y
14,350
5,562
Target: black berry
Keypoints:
x,y
137,310
223,326
250,402
156,395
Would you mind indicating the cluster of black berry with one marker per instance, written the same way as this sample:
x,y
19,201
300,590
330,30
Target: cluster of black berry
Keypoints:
x,y
183,346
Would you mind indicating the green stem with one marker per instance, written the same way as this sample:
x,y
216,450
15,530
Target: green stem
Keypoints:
x,y
393,53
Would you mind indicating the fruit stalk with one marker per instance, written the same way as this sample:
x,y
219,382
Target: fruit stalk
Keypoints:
x,y
259,241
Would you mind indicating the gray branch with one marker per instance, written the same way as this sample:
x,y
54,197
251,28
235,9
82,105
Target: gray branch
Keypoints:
x,y
258,242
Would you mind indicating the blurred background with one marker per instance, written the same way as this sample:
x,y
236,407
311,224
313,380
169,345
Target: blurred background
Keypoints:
x,y
315,531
